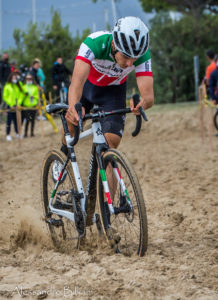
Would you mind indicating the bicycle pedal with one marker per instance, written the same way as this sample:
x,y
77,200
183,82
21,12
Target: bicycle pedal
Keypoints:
x,y
55,222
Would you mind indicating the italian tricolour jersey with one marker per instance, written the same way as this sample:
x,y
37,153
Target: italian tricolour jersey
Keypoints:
x,y
96,51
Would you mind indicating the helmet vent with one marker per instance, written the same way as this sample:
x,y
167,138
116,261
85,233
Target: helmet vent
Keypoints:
x,y
137,33
125,43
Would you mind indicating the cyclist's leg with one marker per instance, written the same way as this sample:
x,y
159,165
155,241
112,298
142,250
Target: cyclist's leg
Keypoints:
x,y
113,127
113,140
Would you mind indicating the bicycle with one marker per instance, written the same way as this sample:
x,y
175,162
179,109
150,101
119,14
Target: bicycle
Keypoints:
x,y
69,209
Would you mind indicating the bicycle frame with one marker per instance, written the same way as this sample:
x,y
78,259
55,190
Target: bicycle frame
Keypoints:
x,y
99,145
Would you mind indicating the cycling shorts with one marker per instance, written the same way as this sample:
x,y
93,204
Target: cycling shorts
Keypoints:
x,y
107,98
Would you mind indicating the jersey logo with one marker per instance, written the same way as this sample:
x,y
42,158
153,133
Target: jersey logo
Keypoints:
x,y
88,53
103,46
147,66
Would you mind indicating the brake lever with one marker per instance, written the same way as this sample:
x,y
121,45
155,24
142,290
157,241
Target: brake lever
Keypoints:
x,y
142,112
78,107
136,100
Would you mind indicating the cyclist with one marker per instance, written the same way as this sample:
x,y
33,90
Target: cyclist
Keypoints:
x,y
103,61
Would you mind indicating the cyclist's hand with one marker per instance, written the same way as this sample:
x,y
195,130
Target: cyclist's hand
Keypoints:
x,y
72,115
55,87
135,110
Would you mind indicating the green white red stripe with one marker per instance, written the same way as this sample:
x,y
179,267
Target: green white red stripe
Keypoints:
x,y
106,187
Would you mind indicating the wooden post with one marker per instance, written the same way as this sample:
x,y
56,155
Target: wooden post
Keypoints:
x,y
209,121
40,117
18,118
50,98
201,100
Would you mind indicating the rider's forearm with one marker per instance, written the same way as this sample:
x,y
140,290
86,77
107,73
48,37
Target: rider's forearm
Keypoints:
x,y
148,101
75,93
80,75
145,85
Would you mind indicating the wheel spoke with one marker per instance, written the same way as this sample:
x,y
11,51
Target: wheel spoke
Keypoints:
x,y
131,227
66,234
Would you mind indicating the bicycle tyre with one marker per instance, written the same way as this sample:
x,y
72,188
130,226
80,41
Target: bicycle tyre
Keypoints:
x,y
67,235
215,120
120,223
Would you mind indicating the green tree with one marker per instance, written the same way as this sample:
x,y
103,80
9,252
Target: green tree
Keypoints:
x,y
46,42
172,47
195,7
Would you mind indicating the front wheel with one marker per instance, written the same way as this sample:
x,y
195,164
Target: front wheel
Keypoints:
x,y
63,231
127,228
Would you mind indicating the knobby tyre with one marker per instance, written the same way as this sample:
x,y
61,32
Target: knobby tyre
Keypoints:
x,y
128,229
64,236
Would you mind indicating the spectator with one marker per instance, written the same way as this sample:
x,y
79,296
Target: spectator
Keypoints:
x,y
211,67
213,83
40,73
34,71
12,96
31,100
23,71
60,73
13,66
5,70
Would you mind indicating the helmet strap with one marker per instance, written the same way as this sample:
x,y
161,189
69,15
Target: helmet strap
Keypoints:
x,y
113,52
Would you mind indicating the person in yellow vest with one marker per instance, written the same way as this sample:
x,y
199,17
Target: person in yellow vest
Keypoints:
x,y
30,100
12,96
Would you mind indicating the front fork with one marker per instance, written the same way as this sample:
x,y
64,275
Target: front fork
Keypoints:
x,y
120,181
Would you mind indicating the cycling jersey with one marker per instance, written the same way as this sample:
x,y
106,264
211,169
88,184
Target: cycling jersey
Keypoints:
x,y
107,98
96,50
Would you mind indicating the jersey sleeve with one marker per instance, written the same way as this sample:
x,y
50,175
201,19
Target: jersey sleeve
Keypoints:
x,y
143,65
86,51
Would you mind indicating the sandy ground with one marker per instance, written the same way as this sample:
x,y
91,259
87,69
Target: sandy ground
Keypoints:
x,y
178,176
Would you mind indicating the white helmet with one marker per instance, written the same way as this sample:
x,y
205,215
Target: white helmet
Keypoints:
x,y
130,36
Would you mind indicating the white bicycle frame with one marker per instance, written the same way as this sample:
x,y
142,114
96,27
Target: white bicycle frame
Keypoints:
x,y
98,138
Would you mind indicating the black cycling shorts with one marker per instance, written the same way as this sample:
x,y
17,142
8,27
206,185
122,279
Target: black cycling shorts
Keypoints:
x,y
107,98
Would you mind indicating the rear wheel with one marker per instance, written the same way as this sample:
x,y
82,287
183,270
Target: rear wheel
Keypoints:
x,y
63,231
127,230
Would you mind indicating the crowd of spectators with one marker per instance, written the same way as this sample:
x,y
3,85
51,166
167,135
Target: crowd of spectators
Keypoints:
x,y
22,87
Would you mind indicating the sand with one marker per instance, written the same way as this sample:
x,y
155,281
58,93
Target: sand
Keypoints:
x,y
178,175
